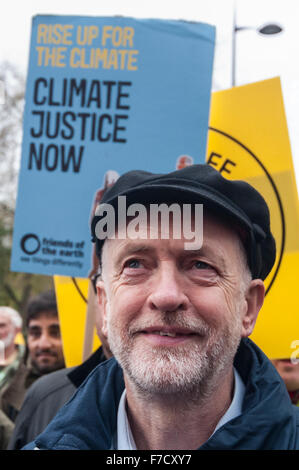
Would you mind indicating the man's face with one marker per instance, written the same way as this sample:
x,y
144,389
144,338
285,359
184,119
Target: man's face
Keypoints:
x,y
174,317
44,343
8,331
289,373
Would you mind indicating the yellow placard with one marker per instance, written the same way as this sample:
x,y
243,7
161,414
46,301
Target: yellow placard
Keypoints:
x,y
19,339
248,139
72,297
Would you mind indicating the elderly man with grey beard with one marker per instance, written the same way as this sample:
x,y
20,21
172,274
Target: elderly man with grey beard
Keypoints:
x,y
11,356
177,314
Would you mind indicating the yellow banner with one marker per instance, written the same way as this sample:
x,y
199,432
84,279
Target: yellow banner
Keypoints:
x,y
72,296
248,139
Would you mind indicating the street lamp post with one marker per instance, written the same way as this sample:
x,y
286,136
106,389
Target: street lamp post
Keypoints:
x,y
266,29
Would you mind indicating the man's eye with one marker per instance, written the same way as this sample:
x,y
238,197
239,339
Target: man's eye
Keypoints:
x,y
201,265
133,263
34,333
54,332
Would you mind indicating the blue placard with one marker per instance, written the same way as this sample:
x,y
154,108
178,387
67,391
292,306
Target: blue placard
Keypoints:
x,y
104,96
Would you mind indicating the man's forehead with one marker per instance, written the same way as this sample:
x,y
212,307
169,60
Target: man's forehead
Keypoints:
x,y
5,319
44,317
215,244
167,248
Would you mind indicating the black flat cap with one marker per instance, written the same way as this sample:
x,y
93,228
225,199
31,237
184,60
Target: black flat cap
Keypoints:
x,y
234,202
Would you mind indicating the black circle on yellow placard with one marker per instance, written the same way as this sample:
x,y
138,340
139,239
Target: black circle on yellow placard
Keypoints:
x,y
276,192
77,287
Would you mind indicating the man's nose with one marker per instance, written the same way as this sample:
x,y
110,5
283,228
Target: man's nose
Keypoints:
x,y
44,341
168,294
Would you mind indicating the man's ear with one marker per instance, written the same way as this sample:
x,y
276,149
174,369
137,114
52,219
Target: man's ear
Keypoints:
x,y
254,298
101,318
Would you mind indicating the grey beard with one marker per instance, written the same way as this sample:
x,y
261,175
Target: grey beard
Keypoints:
x,y
192,371
9,339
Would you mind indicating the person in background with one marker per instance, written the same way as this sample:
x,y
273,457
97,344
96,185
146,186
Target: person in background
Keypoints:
x,y
10,325
289,372
43,352
11,359
43,334
49,393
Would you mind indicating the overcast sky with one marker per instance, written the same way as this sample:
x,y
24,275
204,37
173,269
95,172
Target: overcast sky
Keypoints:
x,y
257,57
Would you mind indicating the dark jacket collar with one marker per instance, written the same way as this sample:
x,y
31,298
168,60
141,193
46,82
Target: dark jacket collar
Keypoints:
x,y
88,420
79,373
268,420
